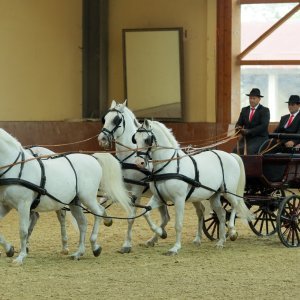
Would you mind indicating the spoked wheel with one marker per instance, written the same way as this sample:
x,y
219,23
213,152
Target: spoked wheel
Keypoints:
x,y
266,215
288,221
211,224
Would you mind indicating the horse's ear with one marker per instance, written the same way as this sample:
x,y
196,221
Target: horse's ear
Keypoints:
x,y
136,123
125,102
123,105
147,123
113,104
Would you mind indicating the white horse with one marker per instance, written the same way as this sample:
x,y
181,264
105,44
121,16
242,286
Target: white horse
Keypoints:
x,y
44,153
71,180
178,177
119,125
61,214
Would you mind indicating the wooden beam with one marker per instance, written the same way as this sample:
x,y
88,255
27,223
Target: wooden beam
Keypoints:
x,y
269,31
267,1
269,62
224,62
94,58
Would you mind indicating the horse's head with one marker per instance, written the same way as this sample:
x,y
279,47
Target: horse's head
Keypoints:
x,y
144,138
113,124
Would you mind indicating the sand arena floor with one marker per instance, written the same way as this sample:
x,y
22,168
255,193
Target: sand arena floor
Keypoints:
x,y
249,268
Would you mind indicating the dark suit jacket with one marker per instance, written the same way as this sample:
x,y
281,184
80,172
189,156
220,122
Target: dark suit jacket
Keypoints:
x,y
293,128
257,129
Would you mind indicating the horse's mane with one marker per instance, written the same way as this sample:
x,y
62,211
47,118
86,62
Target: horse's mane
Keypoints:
x,y
9,139
166,131
131,114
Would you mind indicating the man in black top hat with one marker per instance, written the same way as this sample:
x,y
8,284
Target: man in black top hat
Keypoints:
x,y
253,125
290,123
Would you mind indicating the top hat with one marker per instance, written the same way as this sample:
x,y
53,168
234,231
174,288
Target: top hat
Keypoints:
x,y
255,93
294,99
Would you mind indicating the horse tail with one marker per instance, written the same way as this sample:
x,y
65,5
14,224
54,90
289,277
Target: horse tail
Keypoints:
x,y
242,209
112,180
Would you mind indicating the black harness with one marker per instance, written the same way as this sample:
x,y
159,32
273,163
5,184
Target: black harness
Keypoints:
x,y
117,121
194,183
39,189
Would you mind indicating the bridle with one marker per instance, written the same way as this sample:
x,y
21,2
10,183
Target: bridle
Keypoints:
x,y
149,141
118,119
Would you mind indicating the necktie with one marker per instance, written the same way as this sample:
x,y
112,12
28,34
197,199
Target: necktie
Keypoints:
x,y
251,114
290,120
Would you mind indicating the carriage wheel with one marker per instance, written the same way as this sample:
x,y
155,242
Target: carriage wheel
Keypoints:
x,y
288,221
211,224
266,215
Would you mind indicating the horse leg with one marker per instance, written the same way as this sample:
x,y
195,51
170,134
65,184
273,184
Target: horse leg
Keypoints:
x,y
8,248
154,203
82,225
233,234
127,245
200,213
107,220
61,216
24,222
216,205
34,216
179,213
165,218
100,211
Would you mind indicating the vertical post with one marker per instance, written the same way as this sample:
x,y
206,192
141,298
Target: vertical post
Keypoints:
x,y
94,58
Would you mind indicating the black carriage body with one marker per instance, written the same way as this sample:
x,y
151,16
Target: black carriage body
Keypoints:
x,y
269,179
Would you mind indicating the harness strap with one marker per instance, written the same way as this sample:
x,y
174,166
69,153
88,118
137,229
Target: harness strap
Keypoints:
x,y
37,200
40,189
196,179
76,179
22,164
129,166
24,183
196,184
221,163
154,176
11,164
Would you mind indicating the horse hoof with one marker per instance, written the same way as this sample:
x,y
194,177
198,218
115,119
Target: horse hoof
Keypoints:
x,y
10,252
27,250
219,246
125,250
170,253
97,252
196,243
108,222
234,236
164,234
64,251
149,244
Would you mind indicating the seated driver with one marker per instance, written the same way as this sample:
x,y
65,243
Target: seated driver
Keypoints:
x,y
289,123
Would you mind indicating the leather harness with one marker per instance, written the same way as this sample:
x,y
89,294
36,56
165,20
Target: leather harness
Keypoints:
x,y
39,189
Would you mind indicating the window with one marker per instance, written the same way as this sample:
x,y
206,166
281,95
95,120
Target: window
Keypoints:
x,y
270,57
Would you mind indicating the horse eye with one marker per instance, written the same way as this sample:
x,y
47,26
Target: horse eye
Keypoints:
x,y
116,120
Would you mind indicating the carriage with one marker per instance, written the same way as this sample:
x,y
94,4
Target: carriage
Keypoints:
x,y
272,193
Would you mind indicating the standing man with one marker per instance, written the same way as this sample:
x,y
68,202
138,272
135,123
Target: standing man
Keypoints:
x,y
290,123
252,124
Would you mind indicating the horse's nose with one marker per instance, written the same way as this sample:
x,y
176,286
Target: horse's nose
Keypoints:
x,y
140,162
102,139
